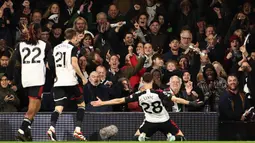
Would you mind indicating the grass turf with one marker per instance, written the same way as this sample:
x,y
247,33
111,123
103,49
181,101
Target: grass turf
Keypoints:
x,y
145,142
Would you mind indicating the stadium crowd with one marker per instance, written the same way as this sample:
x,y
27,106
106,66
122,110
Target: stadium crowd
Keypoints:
x,y
200,43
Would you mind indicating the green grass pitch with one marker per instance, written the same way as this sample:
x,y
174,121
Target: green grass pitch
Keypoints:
x,y
145,142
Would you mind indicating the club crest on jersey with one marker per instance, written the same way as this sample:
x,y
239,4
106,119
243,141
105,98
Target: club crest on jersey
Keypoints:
x,y
131,96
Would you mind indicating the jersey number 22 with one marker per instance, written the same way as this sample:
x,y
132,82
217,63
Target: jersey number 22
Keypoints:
x,y
36,52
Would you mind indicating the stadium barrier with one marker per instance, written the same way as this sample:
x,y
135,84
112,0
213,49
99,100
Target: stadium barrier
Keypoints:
x,y
195,126
236,130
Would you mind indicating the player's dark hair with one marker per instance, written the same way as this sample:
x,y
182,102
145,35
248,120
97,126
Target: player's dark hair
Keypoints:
x,y
147,77
70,33
33,34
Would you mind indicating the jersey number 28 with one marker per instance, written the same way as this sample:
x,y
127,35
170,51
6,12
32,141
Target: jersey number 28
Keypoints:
x,y
156,107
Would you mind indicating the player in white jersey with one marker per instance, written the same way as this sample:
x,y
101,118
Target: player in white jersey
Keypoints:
x,y
153,105
32,54
66,84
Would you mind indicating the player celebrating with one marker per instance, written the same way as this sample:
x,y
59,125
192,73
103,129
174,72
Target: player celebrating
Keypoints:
x,y
156,115
66,85
32,54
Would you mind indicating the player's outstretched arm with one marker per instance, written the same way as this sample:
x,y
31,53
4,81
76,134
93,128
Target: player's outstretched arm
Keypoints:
x,y
99,102
186,102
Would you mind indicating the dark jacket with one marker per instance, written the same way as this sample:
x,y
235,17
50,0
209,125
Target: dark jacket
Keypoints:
x,y
91,92
9,106
232,106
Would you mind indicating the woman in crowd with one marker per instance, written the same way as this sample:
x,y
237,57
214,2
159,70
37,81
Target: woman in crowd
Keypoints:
x,y
9,102
52,13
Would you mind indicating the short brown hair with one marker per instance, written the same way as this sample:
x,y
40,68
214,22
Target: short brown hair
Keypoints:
x,y
147,77
70,33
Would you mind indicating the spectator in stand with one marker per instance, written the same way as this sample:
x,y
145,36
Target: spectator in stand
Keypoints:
x,y
103,33
83,64
128,71
101,70
94,89
186,39
81,26
240,21
156,38
132,60
220,70
4,61
171,69
246,78
9,102
36,17
200,34
4,47
193,92
204,60
157,63
52,13
94,59
215,50
184,63
233,102
175,51
119,47
23,21
234,55
45,34
5,33
212,88
240,34
56,35
25,8
157,82
174,89
114,15
142,29
187,17
148,51
68,11
87,45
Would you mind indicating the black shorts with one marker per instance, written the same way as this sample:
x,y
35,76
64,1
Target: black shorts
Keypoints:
x,y
34,92
166,127
62,93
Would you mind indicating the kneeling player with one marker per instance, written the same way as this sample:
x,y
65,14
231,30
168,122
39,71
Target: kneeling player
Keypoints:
x,y
156,115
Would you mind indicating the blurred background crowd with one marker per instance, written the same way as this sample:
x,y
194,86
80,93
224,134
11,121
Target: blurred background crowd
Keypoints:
x,y
195,49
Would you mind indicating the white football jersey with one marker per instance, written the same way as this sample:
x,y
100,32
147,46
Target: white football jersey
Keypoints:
x,y
65,73
33,67
152,105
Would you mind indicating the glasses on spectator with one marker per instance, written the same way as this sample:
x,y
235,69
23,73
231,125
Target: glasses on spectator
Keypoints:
x,y
186,38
